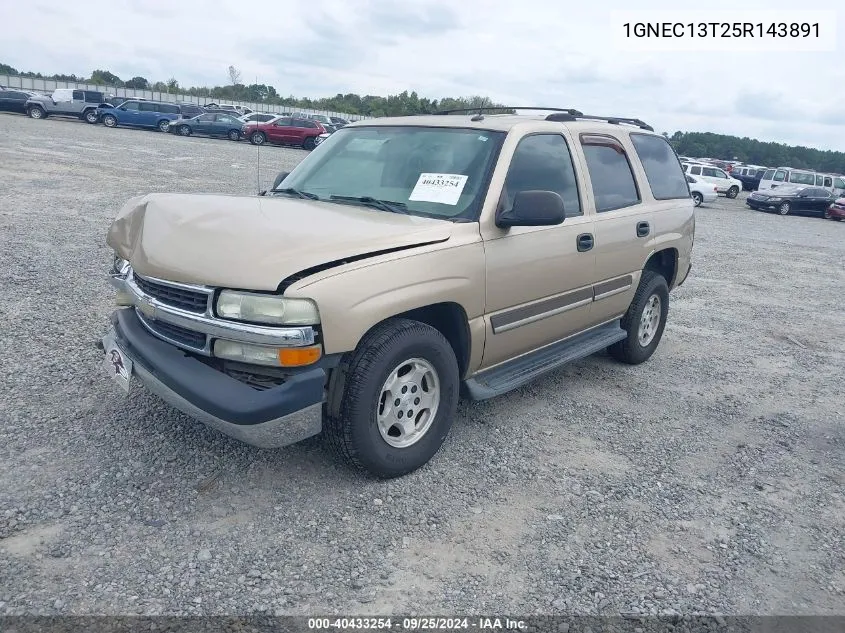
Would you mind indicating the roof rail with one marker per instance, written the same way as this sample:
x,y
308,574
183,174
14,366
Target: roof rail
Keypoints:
x,y
558,114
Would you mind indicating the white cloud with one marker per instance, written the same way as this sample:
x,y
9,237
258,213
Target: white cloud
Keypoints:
x,y
525,53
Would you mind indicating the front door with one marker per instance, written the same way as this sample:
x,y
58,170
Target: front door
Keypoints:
x,y
280,131
203,124
539,279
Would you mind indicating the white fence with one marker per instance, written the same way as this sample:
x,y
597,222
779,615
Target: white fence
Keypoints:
x,y
48,85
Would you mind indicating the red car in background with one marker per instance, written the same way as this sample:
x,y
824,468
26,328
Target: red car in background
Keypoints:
x,y
836,211
284,130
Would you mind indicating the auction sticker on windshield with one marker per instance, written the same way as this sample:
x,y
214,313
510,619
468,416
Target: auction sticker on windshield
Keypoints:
x,y
440,188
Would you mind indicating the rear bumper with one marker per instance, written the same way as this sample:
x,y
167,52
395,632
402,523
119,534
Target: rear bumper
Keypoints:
x,y
271,418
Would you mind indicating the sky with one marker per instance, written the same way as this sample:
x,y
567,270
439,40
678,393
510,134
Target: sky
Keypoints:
x,y
526,52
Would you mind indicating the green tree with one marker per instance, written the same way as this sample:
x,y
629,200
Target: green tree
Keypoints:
x,y
105,78
139,83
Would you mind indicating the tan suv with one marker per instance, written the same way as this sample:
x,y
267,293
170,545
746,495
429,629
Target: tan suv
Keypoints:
x,y
404,262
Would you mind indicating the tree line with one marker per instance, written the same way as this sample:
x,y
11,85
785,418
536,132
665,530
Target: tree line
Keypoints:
x,y
754,152
693,144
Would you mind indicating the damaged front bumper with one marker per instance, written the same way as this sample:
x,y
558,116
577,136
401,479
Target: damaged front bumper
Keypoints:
x,y
269,418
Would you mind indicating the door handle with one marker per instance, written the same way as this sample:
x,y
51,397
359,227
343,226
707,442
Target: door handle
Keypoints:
x,y
585,242
643,229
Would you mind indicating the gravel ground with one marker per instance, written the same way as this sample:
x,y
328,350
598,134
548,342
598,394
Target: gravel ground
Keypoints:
x,y
709,479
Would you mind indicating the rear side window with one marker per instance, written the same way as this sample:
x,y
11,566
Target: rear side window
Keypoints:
x,y
93,97
543,162
695,170
304,123
14,96
78,95
819,180
147,106
613,181
828,182
839,183
662,169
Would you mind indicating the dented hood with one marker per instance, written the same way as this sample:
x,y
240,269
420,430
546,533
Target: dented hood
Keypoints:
x,y
254,242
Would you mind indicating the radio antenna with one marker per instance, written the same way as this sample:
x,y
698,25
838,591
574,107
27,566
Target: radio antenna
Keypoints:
x,y
258,157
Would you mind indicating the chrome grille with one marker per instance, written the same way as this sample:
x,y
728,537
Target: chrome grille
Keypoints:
x,y
175,296
174,333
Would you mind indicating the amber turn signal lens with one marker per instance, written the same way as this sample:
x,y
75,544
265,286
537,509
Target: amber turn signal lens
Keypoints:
x,y
299,356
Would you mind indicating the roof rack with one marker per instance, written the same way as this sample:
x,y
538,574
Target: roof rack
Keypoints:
x,y
558,114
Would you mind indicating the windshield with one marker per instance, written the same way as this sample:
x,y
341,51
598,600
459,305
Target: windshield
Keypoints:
x,y
435,172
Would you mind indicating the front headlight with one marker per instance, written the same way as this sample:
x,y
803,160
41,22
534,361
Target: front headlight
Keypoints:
x,y
774,199
272,309
119,266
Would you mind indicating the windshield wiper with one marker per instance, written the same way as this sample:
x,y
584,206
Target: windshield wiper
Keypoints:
x,y
307,195
384,205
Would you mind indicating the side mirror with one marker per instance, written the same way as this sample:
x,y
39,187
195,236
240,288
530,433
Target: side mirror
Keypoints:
x,y
533,208
279,178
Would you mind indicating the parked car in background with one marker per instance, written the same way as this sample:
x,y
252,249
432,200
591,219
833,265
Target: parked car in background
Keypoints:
x,y
138,113
241,110
701,191
323,120
787,199
285,130
838,185
836,211
258,117
209,124
725,184
787,175
749,176
189,110
338,122
81,104
15,100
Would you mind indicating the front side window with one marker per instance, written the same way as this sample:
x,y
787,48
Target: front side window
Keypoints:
x,y
283,121
662,169
613,181
780,175
542,162
206,118
769,174
130,105
429,171
839,183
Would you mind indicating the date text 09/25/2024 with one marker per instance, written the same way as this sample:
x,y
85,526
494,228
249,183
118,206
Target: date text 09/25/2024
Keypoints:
x,y
417,624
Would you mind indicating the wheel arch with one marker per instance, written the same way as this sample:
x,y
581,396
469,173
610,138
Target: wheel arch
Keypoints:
x,y
665,263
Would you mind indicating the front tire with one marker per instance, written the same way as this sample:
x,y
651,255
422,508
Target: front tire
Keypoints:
x,y
91,116
392,401
109,120
234,135
733,192
784,208
184,130
697,198
826,214
36,112
644,321
257,138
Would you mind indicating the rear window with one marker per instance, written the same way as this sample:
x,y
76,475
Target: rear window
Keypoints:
x,y
613,181
662,169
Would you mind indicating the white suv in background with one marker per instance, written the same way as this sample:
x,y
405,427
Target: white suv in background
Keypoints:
x,y
724,183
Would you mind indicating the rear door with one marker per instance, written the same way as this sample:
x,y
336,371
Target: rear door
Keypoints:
x,y
223,123
148,115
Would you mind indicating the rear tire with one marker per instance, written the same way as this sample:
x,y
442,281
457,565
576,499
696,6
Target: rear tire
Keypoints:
x,y
257,138
733,192
36,112
644,321
697,199
401,370
309,143
163,125
91,116
784,208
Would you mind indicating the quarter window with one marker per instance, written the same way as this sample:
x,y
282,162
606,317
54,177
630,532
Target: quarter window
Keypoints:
x,y
662,169
613,181
542,162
